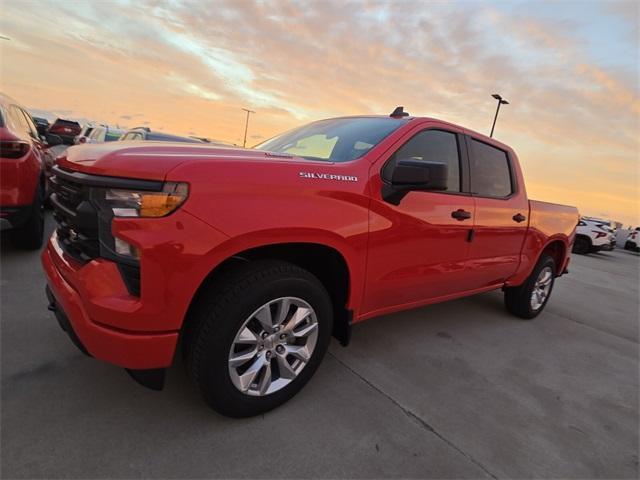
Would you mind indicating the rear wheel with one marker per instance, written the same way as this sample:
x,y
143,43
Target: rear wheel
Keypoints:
x,y
529,299
30,235
582,245
258,336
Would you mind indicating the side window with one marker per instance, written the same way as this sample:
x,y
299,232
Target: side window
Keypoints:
x,y
490,173
33,131
431,146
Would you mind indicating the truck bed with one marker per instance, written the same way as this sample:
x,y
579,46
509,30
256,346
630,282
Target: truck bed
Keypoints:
x,y
552,219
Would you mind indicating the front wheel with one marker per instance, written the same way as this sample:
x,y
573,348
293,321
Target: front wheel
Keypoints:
x,y
258,337
529,299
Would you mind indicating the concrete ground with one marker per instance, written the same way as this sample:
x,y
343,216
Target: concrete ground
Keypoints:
x,y
456,390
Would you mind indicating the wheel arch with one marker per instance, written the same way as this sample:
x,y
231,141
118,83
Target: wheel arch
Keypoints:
x,y
556,249
327,263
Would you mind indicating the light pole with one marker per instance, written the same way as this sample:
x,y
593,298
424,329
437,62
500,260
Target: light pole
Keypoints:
x,y
246,126
501,101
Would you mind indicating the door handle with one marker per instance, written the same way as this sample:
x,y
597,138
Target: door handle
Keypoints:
x,y
460,214
518,217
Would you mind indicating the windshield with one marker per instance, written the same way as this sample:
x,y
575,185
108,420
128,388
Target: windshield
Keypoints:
x,y
334,140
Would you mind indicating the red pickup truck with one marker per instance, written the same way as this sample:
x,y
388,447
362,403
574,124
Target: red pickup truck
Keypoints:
x,y
252,258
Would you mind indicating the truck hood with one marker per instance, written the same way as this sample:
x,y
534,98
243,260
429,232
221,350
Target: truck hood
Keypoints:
x,y
152,160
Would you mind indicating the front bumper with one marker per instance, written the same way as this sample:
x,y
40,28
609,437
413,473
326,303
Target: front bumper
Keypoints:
x,y
607,245
103,290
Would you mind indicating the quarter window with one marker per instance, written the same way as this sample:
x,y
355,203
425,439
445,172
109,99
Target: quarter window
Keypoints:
x,y
431,146
490,173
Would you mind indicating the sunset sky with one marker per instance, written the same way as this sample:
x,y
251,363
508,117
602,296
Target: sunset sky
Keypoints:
x,y
571,71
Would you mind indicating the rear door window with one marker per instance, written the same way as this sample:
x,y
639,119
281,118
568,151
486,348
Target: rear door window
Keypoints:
x,y
490,171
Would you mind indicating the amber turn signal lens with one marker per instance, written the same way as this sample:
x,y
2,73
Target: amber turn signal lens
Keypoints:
x,y
155,205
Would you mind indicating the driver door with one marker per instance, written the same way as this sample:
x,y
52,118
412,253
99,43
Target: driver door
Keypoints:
x,y
418,248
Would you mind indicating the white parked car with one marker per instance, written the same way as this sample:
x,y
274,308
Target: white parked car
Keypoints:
x,y
593,235
633,240
102,133
84,134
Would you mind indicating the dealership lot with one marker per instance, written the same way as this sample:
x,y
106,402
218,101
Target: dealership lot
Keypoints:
x,y
454,390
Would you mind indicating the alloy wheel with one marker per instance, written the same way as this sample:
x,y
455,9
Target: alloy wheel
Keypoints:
x,y
541,288
272,346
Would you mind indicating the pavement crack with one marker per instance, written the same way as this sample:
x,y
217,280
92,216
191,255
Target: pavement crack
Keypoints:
x,y
416,418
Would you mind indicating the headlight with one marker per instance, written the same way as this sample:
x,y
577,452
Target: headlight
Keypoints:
x,y
133,203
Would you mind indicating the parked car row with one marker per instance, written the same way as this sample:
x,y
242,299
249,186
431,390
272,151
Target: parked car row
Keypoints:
x,y
145,133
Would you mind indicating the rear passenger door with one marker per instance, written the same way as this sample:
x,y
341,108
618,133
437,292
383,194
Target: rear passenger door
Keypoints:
x,y
501,216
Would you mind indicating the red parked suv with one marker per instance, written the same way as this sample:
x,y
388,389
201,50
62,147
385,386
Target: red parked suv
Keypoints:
x,y
24,157
253,258
68,130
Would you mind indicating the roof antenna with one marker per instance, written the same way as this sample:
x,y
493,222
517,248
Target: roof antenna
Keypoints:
x,y
399,112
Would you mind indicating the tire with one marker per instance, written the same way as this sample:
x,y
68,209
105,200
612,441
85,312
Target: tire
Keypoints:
x,y
221,313
630,246
30,236
582,245
519,300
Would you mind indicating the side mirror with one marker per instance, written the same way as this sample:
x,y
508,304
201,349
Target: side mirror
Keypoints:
x,y
408,175
53,140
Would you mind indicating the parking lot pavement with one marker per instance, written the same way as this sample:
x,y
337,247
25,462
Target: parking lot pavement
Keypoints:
x,y
456,390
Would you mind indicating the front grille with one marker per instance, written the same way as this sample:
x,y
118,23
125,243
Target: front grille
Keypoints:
x,y
77,219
